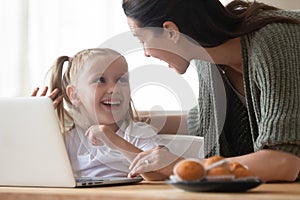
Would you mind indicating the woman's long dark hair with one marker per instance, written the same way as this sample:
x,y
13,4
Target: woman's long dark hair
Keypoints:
x,y
206,21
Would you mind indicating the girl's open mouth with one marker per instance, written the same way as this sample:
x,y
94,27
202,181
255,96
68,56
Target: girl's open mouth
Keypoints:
x,y
111,103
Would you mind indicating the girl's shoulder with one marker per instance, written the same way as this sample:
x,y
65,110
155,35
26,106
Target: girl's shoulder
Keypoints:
x,y
140,130
74,136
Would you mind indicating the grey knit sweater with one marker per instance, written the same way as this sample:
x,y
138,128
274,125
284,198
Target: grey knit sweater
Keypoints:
x,y
271,117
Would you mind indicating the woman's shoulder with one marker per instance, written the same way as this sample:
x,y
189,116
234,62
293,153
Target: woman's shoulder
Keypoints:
x,y
279,30
293,14
289,13
275,36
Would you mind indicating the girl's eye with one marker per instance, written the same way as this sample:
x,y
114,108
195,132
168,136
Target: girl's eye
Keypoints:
x,y
123,80
100,80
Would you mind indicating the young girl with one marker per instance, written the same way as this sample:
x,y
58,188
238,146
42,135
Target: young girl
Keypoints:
x,y
96,114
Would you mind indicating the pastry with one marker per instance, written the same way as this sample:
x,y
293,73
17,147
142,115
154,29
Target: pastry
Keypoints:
x,y
218,171
212,160
189,170
242,172
239,170
234,165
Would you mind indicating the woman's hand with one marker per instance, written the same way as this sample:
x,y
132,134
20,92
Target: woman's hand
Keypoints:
x,y
53,95
158,159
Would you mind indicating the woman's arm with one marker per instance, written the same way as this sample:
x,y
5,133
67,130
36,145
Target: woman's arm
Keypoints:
x,y
271,165
268,165
158,159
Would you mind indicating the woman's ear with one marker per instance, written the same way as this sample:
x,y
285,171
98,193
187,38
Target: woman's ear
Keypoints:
x,y
72,94
172,30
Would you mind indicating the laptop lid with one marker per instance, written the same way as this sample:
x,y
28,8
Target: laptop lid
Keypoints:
x,y
32,148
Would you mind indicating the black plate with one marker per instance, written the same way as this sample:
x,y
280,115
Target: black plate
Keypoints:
x,y
217,186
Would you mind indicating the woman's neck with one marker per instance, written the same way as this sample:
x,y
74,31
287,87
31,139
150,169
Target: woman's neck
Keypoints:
x,y
228,54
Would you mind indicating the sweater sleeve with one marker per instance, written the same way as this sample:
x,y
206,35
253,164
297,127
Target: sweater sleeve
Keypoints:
x,y
198,116
193,121
274,86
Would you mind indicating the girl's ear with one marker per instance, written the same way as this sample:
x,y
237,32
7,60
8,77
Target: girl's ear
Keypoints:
x,y
172,30
72,94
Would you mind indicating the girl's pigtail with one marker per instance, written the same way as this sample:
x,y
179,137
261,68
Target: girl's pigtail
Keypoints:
x,y
56,82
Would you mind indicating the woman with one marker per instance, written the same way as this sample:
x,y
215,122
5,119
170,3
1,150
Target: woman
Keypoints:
x,y
256,51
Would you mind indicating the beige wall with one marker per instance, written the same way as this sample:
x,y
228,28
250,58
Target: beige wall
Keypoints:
x,y
284,4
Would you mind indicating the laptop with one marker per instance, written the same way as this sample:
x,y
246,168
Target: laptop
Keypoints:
x,y
32,148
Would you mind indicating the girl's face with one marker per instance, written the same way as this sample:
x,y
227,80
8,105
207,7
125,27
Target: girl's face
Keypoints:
x,y
160,46
103,89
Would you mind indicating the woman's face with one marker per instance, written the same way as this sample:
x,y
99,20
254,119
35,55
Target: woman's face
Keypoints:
x,y
160,46
103,89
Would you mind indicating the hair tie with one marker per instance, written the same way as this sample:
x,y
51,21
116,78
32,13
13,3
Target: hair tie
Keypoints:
x,y
70,59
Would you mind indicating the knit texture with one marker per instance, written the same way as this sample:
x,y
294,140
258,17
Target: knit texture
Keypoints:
x,y
271,118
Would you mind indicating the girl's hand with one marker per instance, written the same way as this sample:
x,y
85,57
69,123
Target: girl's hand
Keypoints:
x,y
95,135
158,159
53,95
100,135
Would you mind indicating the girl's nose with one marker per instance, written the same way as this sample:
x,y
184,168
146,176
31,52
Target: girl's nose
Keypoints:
x,y
146,52
112,88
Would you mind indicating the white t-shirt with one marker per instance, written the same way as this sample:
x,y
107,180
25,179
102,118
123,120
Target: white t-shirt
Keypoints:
x,y
89,160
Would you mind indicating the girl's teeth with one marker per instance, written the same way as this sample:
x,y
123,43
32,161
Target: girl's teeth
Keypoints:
x,y
112,102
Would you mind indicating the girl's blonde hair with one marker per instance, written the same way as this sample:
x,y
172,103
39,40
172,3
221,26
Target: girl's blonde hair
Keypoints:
x,y
61,78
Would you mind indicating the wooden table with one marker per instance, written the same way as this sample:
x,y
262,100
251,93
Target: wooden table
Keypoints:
x,y
149,190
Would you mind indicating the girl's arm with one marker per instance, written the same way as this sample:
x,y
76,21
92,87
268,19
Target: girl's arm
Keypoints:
x,y
103,134
166,124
